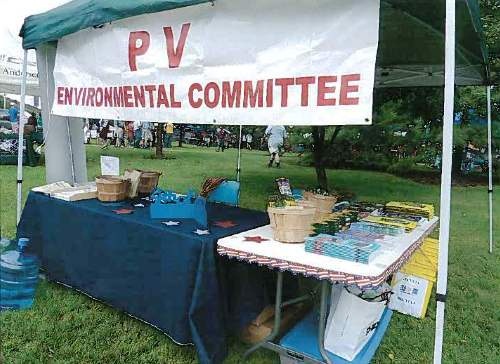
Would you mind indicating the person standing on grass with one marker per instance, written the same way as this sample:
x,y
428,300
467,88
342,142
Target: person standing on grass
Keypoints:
x,y
169,133
119,134
137,134
276,135
221,139
103,135
13,113
147,136
129,128
207,140
249,139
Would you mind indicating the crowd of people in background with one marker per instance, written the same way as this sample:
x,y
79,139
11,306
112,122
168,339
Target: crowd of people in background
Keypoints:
x,y
12,117
144,134
121,133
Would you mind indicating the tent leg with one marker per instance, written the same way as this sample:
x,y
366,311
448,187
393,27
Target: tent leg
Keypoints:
x,y
490,166
21,137
444,230
238,166
70,148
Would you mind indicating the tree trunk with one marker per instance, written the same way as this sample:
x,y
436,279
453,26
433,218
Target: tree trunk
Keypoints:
x,y
320,148
159,141
318,151
321,177
456,160
181,135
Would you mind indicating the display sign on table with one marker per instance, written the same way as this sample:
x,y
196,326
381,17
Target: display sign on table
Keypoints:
x,y
411,294
110,166
231,62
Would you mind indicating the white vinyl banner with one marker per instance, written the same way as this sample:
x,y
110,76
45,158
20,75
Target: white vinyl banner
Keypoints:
x,y
293,62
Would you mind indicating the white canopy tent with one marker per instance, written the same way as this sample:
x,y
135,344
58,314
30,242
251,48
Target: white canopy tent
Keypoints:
x,y
11,62
66,132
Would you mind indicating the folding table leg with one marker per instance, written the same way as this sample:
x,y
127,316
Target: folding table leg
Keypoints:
x,y
277,317
322,320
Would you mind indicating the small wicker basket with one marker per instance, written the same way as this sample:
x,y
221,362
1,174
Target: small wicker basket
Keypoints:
x,y
323,203
291,224
148,182
112,188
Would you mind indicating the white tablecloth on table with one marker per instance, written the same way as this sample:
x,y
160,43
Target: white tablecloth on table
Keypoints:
x,y
293,257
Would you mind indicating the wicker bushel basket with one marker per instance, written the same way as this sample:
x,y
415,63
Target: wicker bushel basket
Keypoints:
x,y
322,203
307,195
291,224
148,182
112,188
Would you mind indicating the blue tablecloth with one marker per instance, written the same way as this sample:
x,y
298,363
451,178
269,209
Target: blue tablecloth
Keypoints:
x,y
168,276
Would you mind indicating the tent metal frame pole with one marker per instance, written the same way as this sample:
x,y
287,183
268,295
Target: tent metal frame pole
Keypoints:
x,y
490,167
444,230
21,137
70,148
238,165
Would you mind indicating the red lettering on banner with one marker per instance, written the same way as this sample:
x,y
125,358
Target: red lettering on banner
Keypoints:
x,y
173,102
346,89
127,96
211,103
98,96
80,96
134,50
269,93
231,97
250,95
192,102
304,82
223,94
108,96
162,96
284,83
323,90
175,55
60,95
118,96
90,96
139,97
68,96
150,89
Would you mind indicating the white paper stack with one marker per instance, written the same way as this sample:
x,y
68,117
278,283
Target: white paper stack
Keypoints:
x,y
64,191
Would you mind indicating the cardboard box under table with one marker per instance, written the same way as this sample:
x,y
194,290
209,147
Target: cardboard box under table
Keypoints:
x,y
305,341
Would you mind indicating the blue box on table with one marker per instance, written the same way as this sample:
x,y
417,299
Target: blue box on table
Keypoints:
x,y
169,205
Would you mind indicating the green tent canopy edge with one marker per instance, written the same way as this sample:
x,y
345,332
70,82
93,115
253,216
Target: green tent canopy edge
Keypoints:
x,y
411,39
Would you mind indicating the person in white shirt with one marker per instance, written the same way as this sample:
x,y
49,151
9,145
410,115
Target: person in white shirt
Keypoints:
x,y
147,136
118,134
249,139
276,135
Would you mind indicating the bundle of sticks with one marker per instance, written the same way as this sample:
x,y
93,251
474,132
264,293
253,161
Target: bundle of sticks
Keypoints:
x,y
210,184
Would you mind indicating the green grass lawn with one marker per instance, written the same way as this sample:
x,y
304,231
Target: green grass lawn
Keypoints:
x,y
67,327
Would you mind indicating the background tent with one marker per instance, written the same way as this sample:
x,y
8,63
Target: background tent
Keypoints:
x,y
416,48
11,60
